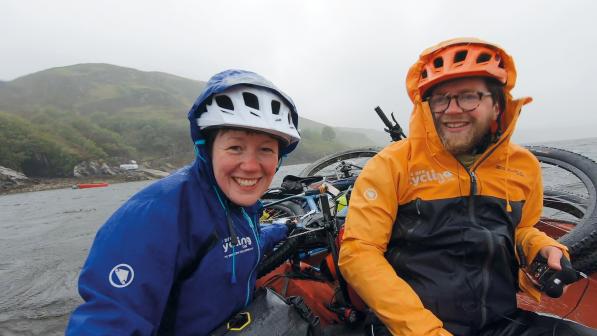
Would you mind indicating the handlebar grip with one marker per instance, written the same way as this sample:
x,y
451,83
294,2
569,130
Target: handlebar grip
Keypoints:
x,y
383,117
277,257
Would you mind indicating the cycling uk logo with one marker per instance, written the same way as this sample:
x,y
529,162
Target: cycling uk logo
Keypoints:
x,y
121,275
244,245
426,176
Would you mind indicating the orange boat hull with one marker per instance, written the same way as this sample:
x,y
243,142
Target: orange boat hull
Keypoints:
x,y
565,305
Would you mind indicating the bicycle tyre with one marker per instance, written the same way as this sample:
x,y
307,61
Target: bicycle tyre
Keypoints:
x,y
586,264
568,203
582,240
277,257
326,161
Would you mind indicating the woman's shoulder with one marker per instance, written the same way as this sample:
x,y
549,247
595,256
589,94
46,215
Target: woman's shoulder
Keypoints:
x,y
173,200
179,184
168,214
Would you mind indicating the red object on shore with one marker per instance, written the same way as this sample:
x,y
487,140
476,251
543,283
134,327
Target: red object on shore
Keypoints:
x,y
90,185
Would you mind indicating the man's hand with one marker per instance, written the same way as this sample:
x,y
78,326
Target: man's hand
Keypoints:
x,y
553,256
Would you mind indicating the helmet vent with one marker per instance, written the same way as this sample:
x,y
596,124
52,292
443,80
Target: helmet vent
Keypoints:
x,y
424,74
460,56
501,64
438,62
251,100
275,107
224,102
484,57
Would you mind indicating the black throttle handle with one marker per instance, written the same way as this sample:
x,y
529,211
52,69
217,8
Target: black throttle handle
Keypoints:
x,y
550,281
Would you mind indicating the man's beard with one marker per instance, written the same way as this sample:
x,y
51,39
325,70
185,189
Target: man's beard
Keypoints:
x,y
465,143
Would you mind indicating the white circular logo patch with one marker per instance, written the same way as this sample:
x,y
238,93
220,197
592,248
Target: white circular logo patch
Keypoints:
x,y
121,275
370,194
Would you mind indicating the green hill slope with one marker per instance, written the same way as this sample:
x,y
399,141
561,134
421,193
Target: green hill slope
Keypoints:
x,y
56,118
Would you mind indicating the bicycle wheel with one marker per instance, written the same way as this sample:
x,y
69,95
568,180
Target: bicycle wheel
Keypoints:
x,y
561,205
571,180
287,209
329,166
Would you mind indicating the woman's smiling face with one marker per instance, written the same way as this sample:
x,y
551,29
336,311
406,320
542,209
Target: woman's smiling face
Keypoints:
x,y
244,164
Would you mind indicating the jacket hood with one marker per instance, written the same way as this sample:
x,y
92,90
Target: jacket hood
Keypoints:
x,y
421,123
221,82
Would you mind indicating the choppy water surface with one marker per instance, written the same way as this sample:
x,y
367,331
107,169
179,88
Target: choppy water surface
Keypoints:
x,y
45,237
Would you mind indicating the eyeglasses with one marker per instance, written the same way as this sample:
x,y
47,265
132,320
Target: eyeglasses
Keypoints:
x,y
467,101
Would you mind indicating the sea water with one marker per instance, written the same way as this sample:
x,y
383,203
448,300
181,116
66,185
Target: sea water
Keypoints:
x,y
45,237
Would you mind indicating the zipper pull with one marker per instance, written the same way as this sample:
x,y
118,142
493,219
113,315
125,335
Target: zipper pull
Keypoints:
x,y
418,204
473,183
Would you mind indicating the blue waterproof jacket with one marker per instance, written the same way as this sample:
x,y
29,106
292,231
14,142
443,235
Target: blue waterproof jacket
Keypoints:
x,y
166,262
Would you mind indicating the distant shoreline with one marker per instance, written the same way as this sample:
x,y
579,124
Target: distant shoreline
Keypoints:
x,y
41,184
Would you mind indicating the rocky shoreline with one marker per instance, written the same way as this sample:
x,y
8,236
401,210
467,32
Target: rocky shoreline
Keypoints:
x,y
40,184
12,182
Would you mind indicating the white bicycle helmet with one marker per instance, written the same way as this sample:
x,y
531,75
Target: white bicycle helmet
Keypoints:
x,y
250,107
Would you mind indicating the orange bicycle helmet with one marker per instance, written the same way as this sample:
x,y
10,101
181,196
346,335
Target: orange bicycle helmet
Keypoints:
x,y
456,58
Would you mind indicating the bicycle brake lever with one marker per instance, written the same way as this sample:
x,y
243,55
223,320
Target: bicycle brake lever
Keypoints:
x,y
307,215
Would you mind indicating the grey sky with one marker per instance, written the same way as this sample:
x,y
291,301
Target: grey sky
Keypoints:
x,y
337,59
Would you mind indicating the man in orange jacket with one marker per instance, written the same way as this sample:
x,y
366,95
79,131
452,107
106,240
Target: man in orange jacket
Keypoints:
x,y
438,223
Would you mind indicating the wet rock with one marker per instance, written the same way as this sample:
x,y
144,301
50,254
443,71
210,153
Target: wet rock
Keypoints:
x,y
93,168
11,178
12,174
106,170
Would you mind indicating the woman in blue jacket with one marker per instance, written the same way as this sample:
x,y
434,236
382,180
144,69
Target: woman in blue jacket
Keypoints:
x,y
180,256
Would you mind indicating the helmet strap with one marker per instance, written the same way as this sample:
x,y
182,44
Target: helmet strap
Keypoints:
x,y
196,148
280,161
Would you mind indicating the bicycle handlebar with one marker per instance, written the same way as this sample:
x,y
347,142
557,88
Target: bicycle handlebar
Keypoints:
x,y
383,117
395,130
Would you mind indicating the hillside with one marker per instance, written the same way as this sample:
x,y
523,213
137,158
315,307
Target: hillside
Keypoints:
x,y
85,89
53,119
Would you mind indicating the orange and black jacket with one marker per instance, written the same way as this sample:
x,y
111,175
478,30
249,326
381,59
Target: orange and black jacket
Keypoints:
x,y
430,245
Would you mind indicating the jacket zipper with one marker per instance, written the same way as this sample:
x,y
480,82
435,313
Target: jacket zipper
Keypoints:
x,y
247,300
472,218
490,242
491,247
